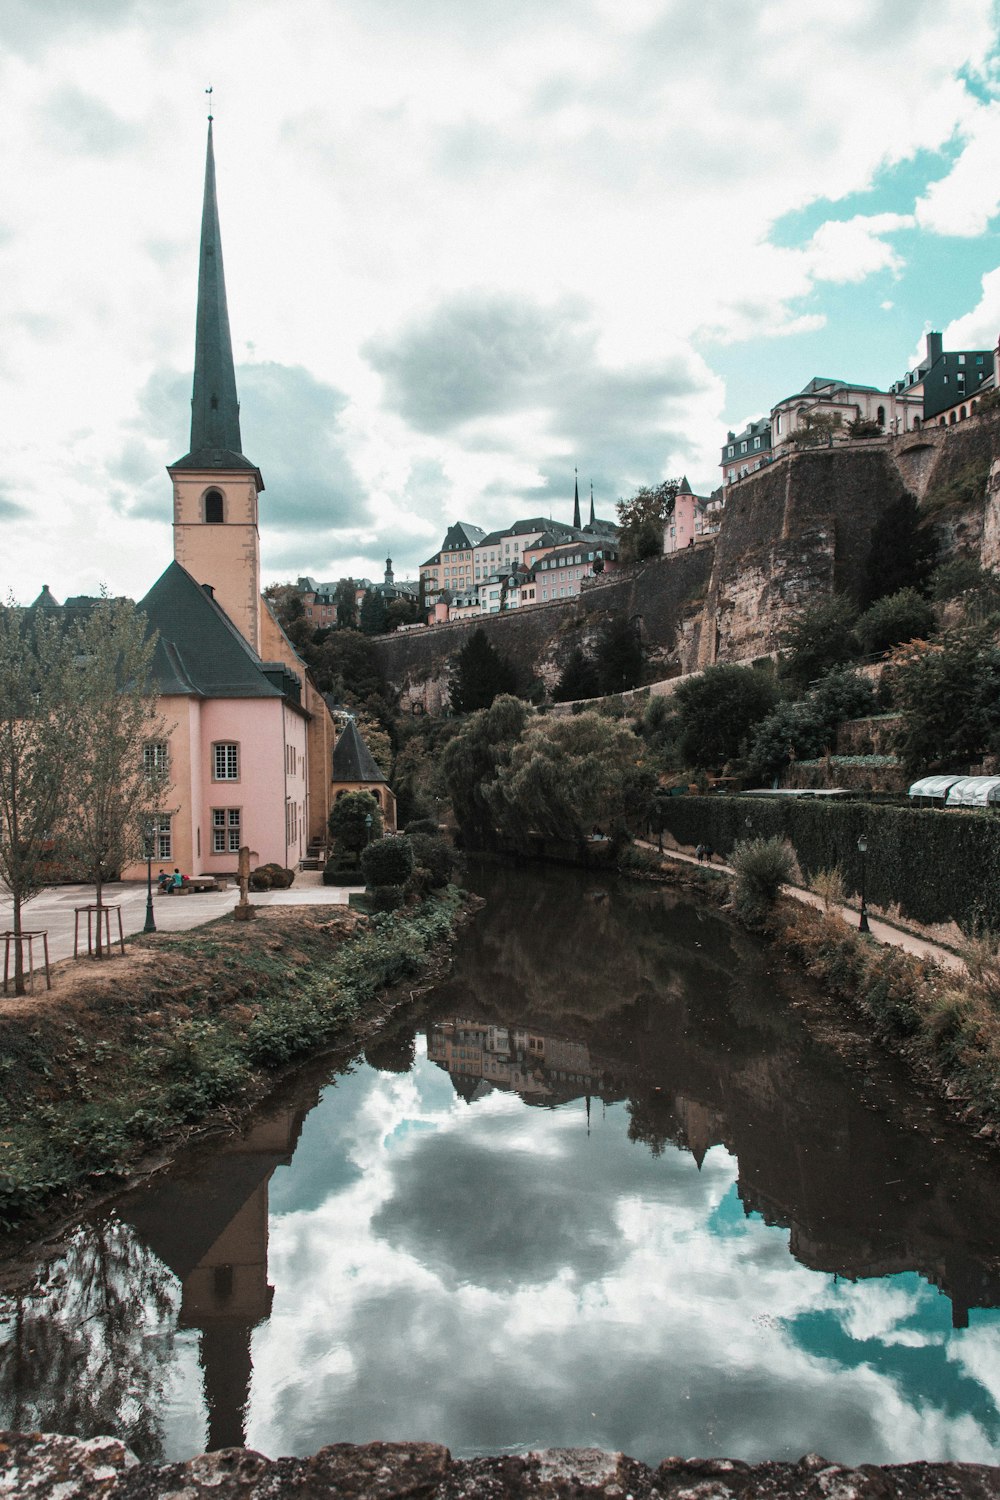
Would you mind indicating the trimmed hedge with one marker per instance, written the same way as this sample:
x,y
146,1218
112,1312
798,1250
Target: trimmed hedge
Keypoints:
x,y
938,866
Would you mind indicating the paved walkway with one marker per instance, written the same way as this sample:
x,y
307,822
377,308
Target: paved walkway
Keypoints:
x,y
53,909
882,932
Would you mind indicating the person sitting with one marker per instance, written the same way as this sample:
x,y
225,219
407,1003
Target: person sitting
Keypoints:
x,y
177,880
164,880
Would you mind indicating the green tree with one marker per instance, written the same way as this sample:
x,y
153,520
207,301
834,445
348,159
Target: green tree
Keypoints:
x,y
577,680
346,665
114,787
345,599
479,674
642,518
806,727
401,611
618,655
348,823
948,692
36,739
817,431
373,619
904,616
473,759
717,711
901,554
567,775
819,638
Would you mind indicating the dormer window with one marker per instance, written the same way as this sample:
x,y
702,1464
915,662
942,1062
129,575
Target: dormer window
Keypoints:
x,y
213,508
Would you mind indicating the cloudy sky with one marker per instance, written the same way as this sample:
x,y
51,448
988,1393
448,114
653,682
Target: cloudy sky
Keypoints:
x,y
469,246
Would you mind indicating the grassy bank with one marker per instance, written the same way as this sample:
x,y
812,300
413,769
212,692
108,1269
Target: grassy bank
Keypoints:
x,y
945,1024
187,1028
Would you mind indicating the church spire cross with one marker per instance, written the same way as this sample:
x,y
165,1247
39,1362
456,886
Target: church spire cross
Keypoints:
x,y
215,409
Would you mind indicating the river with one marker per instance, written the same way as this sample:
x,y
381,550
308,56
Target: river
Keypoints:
x,y
616,1183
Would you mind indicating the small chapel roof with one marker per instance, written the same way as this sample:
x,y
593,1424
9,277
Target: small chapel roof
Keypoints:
x,y
352,759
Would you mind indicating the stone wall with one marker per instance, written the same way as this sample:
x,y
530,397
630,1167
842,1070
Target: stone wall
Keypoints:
x,y
43,1466
795,530
664,595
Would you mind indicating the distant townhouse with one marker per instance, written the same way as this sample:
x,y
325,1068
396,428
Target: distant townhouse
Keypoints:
x,y
744,452
559,573
499,551
949,382
694,517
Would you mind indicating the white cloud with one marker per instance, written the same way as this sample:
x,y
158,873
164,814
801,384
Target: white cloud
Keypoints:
x,y
965,200
606,158
980,328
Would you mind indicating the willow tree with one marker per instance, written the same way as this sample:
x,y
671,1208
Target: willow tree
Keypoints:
x,y
116,787
36,662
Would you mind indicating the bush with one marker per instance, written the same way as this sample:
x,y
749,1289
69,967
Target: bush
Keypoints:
x,y
388,862
717,711
337,871
422,825
904,616
348,824
434,854
271,877
385,898
828,885
763,866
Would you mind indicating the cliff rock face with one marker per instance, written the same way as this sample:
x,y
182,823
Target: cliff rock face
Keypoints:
x,y
41,1466
663,596
790,533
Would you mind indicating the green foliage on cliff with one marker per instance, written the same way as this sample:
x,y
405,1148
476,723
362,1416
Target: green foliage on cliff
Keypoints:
x,y
717,711
479,673
949,695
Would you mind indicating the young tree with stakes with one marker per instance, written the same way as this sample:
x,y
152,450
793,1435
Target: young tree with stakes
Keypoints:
x,y
115,788
35,667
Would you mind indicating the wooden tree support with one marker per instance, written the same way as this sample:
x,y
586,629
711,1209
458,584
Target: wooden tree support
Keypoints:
x,y
11,942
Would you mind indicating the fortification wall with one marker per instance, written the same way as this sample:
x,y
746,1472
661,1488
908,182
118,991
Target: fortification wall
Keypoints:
x,y
664,595
794,531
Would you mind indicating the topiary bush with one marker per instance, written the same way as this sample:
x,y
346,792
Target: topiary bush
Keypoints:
x,y
434,854
388,861
271,877
337,871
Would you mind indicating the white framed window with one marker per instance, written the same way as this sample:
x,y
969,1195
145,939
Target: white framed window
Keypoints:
x,y
226,761
227,823
163,844
154,758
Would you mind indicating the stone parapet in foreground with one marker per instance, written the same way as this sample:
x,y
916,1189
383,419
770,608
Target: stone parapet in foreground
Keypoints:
x,y
43,1466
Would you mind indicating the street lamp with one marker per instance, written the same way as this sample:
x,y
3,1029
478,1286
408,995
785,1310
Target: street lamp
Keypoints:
x,y
863,851
149,832
368,829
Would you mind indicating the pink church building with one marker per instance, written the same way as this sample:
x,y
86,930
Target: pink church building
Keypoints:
x,y
249,744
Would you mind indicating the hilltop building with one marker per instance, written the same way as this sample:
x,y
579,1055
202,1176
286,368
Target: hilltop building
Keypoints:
x,y
947,380
694,517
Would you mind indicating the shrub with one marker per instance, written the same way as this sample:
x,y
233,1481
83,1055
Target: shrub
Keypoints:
x,y
903,616
271,877
347,821
388,862
422,825
338,872
762,867
828,885
434,854
385,898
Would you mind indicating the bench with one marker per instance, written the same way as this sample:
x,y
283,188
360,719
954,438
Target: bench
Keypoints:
x,y
195,884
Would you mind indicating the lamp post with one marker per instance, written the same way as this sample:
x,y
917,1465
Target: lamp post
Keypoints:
x,y
148,832
368,829
863,851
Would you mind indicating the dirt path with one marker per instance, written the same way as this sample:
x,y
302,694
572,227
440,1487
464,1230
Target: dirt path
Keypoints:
x,y
881,931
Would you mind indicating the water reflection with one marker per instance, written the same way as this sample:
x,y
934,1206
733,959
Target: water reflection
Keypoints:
x,y
557,1209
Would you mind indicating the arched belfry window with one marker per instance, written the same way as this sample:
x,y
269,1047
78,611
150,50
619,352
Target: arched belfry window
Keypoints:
x,y
213,507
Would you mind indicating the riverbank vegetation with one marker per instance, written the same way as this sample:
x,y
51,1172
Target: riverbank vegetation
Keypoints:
x,y
187,1030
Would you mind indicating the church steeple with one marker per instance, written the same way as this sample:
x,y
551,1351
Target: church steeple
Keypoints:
x,y
215,487
591,502
576,501
215,409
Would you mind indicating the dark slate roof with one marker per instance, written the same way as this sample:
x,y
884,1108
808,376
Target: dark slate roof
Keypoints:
x,y
199,650
352,759
684,488
462,535
215,409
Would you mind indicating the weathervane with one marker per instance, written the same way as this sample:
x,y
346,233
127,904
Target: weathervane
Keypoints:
x,y
209,91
